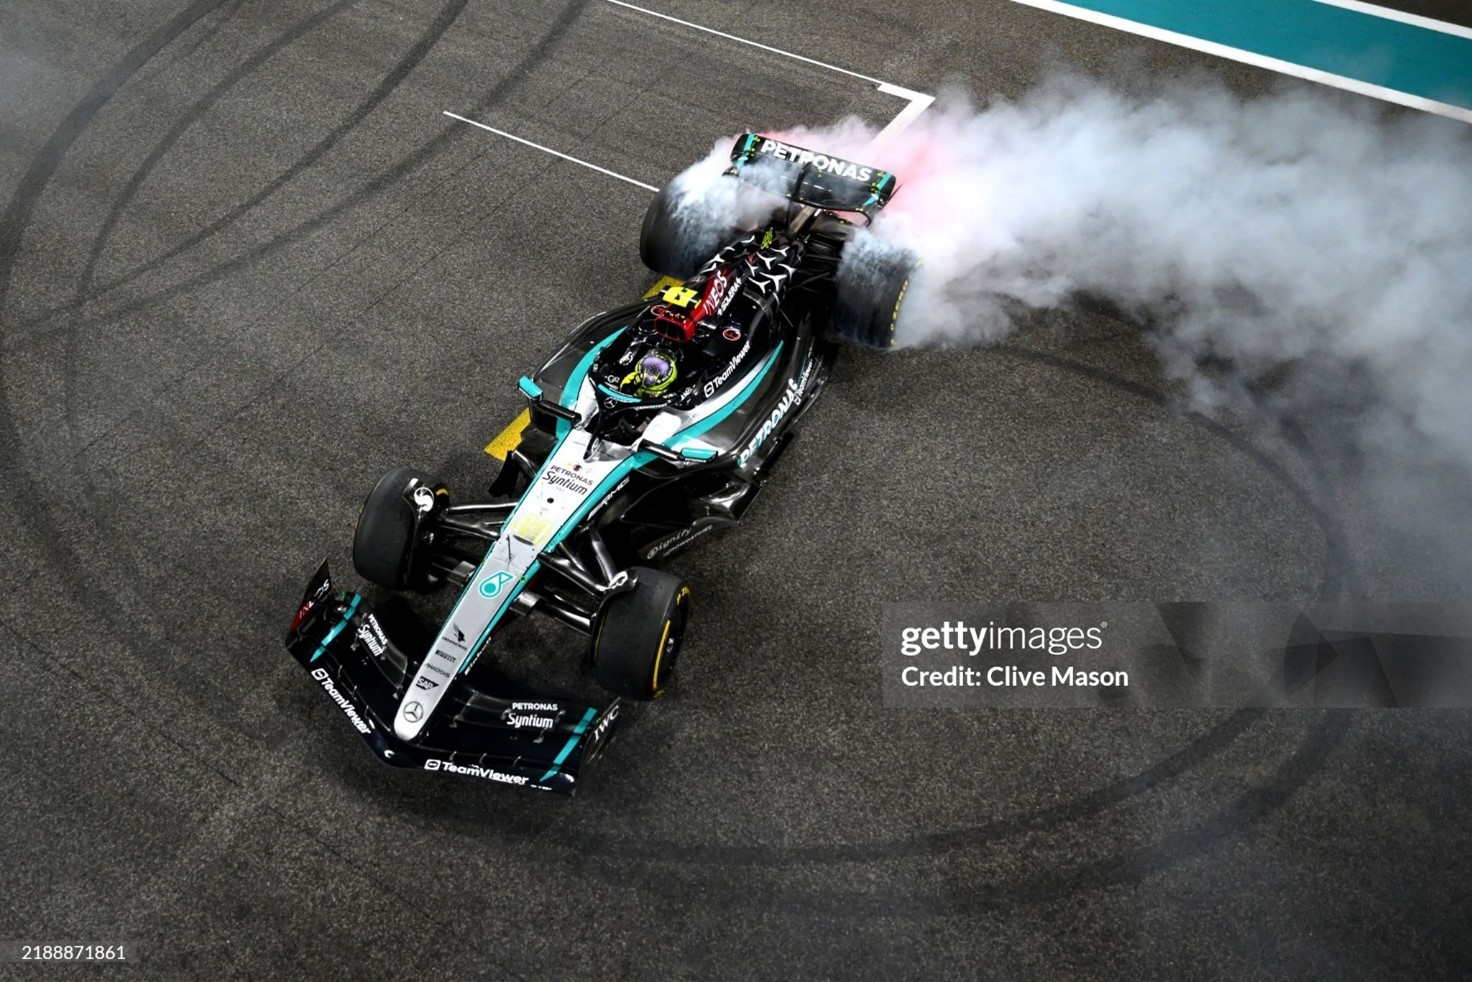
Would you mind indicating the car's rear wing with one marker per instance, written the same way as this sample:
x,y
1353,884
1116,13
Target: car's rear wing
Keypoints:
x,y
809,177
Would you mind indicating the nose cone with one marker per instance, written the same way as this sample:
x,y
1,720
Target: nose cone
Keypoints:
x,y
409,721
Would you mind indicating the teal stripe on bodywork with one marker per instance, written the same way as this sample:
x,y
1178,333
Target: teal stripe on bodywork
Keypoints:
x,y
621,396
512,592
721,415
630,463
624,467
1349,43
572,741
575,380
580,370
337,628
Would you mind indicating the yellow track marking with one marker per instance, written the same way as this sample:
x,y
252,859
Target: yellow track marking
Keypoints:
x,y
507,439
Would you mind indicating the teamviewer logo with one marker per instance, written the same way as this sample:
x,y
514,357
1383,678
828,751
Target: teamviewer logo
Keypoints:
x,y
493,584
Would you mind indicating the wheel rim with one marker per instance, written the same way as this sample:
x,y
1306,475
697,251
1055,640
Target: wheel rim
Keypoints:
x,y
669,643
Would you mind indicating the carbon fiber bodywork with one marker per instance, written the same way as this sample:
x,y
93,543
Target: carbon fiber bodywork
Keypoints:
x,y
608,475
363,660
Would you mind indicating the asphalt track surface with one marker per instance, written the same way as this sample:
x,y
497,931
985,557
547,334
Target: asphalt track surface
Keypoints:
x,y
246,265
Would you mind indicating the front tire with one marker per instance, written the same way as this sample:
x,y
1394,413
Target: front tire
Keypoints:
x,y
385,539
637,639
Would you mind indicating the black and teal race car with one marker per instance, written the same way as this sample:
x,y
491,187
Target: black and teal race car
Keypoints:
x,y
653,424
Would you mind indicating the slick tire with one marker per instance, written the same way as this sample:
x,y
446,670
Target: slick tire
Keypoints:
x,y
870,291
383,543
637,638
673,246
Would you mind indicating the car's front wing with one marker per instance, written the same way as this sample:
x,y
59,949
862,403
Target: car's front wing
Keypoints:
x,y
365,661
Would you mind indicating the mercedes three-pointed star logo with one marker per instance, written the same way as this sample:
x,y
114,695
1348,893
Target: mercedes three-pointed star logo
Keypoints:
x,y
413,712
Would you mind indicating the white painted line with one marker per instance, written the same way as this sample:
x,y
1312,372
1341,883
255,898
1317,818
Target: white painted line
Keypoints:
x,y
1415,20
555,153
919,102
1249,58
754,44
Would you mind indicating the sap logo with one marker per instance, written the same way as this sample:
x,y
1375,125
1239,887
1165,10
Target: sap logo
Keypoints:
x,y
491,585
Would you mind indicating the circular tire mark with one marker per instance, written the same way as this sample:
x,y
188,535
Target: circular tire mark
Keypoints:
x,y
672,868
37,514
309,226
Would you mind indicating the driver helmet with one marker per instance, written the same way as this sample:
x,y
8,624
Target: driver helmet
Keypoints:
x,y
654,373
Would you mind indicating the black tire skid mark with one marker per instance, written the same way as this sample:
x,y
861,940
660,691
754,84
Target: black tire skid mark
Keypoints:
x,y
175,132
375,185
36,514
103,508
71,350
420,50
1130,866
1137,864
39,516
1339,572
386,87
65,554
676,872
227,14
32,652
531,823
1344,574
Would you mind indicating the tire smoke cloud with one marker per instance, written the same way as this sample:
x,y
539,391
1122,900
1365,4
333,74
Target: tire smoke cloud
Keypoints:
x,y
1311,239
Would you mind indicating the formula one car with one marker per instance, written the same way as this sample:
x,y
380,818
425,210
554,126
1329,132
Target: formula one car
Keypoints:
x,y
653,424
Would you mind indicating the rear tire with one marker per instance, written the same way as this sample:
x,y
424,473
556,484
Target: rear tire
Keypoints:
x,y
870,292
637,638
677,246
384,541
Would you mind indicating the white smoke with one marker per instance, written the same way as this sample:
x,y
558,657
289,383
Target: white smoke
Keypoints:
x,y
1302,235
